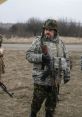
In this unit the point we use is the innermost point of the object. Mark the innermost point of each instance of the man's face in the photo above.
(49, 33)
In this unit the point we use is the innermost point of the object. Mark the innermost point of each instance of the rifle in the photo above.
(50, 68)
(5, 89)
(48, 65)
(58, 75)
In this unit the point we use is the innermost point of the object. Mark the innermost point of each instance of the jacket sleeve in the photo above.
(32, 55)
(2, 65)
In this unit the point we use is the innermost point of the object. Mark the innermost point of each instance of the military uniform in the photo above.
(1, 58)
(45, 89)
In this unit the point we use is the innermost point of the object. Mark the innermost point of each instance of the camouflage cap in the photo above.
(50, 24)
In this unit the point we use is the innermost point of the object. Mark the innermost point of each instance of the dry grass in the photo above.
(18, 79)
(67, 40)
(18, 40)
(71, 40)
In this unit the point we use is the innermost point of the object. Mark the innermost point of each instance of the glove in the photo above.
(66, 79)
(45, 75)
(46, 58)
(46, 62)
(66, 76)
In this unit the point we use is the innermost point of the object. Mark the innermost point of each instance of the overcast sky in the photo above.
(22, 10)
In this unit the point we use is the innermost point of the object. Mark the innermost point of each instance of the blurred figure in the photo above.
(1, 58)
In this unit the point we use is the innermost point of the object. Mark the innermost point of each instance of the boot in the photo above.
(32, 114)
(49, 113)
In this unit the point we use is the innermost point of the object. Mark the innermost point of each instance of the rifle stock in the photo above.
(5, 89)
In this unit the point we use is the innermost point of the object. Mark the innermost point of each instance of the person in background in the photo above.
(2, 65)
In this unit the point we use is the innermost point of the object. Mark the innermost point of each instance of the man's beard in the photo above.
(47, 36)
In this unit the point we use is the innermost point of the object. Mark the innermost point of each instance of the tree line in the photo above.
(33, 27)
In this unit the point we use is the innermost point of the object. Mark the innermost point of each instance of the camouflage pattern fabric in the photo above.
(56, 49)
(40, 94)
(2, 66)
(1, 38)
(50, 24)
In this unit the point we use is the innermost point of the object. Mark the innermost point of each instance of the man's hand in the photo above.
(46, 62)
(46, 58)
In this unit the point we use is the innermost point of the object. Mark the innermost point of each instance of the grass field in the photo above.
(67, 40)
(18, 79)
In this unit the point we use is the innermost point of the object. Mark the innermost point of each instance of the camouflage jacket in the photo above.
(2, 65)
(56, 49)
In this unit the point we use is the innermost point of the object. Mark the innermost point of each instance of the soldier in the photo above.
(1, 58)
(2, 70)
(45, 53)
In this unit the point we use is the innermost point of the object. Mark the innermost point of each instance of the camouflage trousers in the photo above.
(42, 93)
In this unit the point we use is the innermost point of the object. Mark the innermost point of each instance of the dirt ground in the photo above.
(18, 79)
